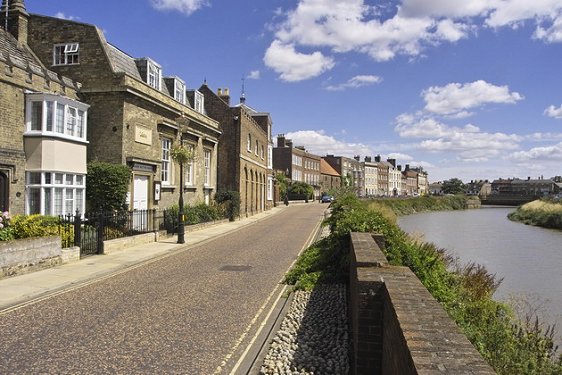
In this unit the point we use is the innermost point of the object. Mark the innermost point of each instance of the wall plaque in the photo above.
(143, 135)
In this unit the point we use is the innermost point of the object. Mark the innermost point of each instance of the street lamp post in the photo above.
(181, 222)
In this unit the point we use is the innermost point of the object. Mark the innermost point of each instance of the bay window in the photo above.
(54, 193)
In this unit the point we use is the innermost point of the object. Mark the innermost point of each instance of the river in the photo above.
(529, 259)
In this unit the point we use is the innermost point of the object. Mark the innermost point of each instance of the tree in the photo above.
(283, 183)
(107, 186)
(452, 186)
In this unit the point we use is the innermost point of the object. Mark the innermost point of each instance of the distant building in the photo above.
(297, 163)
(371, 177)
(350, 170)
(330, 178)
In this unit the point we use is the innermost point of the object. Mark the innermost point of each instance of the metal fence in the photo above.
(90, 230)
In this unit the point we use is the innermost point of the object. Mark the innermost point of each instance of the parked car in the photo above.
(326, 198)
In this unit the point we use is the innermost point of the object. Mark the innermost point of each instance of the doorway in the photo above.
(140, 202)
(4, 193)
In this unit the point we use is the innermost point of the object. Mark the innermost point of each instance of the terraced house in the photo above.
(245, 150)
(43, 127)
(137, 114)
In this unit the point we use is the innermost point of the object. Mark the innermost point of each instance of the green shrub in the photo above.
(25, 226)
(107, 186)
(509, 345)
(230, 201)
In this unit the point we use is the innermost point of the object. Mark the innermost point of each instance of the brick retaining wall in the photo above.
(397, 326)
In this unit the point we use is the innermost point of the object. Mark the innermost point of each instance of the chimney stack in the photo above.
(378, 158)
(392, 161)
(16, 24)
(224, 94)
(281, 140)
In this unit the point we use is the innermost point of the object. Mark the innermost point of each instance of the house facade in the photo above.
(43, 128)
(244, 151)
(137, 114)
(350, 170)
(297, 163)
(330, 179)
(371, 177)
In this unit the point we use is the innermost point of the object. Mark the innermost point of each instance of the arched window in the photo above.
(249, 142)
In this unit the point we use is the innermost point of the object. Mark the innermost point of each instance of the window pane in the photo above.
(36, 115)
(70, 120)
(79, 199)
(59, 119)
(80, 124)
(49, 120)
(79, 180)
(34, 202)
(34, 178)
(58, 178)
(69, 201)
(47, 208)
(48, 178)
(166, 160)
(70, 179)
(58, 201)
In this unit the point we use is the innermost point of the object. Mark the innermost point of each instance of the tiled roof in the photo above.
(326, 168)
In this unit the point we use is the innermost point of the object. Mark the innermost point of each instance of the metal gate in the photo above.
(86, 233)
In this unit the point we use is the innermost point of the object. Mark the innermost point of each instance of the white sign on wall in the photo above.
(143, 135)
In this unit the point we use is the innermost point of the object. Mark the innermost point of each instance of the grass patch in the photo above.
(541, 213)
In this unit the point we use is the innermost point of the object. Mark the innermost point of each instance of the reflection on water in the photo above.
(527, 258)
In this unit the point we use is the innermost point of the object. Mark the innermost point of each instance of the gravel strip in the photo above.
(313, 337)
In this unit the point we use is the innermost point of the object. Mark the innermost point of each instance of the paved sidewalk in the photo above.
(18, 290)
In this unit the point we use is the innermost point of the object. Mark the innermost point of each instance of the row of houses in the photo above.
(68, 96)
(370, 177)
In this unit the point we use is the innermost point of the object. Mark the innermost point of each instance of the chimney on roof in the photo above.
(399, 168)
(357, 157)
(368, 159)
(224, 94)
(407, 167)
(378, 158)
(281, 140)
(392, 161)
(14, 19)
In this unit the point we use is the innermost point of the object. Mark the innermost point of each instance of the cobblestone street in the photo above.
(184, 313)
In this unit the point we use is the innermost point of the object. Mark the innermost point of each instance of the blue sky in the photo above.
(469, 89)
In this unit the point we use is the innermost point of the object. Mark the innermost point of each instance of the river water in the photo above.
(529, 259)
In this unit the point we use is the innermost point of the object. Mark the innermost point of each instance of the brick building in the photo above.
(42, 128)
(244, 151)
(350, 170)
(136, 113)
(383, 173)
(330, 179)
(297, 163)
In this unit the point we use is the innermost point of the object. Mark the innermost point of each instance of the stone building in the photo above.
(383, 173)
(350, 170)
(136, 113)
(371, 177)
(297, 163)
(394, 178)
(244, 151)
(42, 128)
(330, 179)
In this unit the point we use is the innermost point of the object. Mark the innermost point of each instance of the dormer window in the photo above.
(199, 102)
(154, 74)
(179, 91)
(66, 54)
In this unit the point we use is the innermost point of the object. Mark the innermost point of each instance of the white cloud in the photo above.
(553, 153)
(184, 6)
(356, 82)
(318, 143)
(455, 98)
(385, 31)
(554, 112)
(254, 74)
(295, 66)
(399, 156)
(469, 142)
(63, 16)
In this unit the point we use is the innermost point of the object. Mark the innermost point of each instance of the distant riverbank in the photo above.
(408, 206)
(546, 214)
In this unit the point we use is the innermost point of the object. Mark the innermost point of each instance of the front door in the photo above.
(140, 202)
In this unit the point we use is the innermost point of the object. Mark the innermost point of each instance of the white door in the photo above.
(140, 193)
(140, 202)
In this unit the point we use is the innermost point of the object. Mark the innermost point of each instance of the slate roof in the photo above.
(18, 54)
(122, 63)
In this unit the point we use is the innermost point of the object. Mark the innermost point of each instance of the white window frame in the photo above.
(179, 91)
(66, 54)
(70, 186)
(153, 74)
(166, 175)
(199, 102)
(189, 173)
(60, 117)
(207, 164)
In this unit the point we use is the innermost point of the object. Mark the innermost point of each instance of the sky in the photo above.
(469, 90)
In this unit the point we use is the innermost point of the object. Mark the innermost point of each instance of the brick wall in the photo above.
(397, 326)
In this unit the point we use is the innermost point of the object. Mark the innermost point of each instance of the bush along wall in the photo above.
(509, 345)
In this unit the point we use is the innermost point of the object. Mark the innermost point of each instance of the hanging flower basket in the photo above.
(182, 154)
